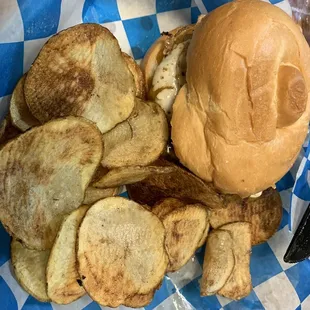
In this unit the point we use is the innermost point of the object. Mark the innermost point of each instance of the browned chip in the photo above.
(19, 111)
(139, 300)
(185, 227)
(137, 75)
(81, 72)
(121, 254)
(264, 213)
(29, 268)
(43, 176)
(178, 184)
(128, 175)
(239, 283)
(165, 206)
(61, 274)
(218, 262)
(139, 140)
(93, 194)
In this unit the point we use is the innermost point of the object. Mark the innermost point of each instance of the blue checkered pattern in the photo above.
(26, 25)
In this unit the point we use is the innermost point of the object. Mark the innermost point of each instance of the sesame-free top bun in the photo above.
(243, 115)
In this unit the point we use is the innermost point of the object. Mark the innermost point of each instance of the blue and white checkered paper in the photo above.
(25, 25)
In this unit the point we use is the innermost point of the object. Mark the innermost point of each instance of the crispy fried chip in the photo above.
(139, 300)
(29, 268)
(19, 111)
(61, 273)
(81, 72)
(128, 175)
(218, 262)
(43, 175)
(178, 184)
(93, 194)
(264, 213)
(137, 75)
(239, 283)
(165, 206)
(120, 251)
(139, 140)
(184, 228)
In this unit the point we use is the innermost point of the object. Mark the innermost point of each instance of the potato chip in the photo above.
(139, 300)
(61, 273)
(29, 268)
(264, 213)
(218, 262)
(43, 176)
(19, 111)
(165, 206)
(139, 140)
(184, 228)
(93, 194)
(137, 75)
(120, 251)
(81, 72)
(178, 184)
(239, 283)
(128, 175)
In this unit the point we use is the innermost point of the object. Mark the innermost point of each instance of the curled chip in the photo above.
(226, 266)
(121, 252)
(218, 262)
(264, 213)
(61, 273)
(29, 268)
(239, 283)
(185, 227)
(43, 176)
(19, 111)
(137, 75)
(177, 184)
(128, 175)
(81, 72)
(139, 140)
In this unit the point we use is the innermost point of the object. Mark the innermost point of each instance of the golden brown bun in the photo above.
(244, 113)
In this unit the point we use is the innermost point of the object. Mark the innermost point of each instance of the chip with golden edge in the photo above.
(139, 140)
(81, 72)
(139, 300)
(129, 175)
(19, 111)
(93, 194)
(43, 176)
(184, 228)
(264, 213)
(137, 75)
(218, 262)
(121, 251)
(239, 283)
(180, 184)
(29, 268)
(61, 273)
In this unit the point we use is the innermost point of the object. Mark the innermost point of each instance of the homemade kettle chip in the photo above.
(43, 176)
